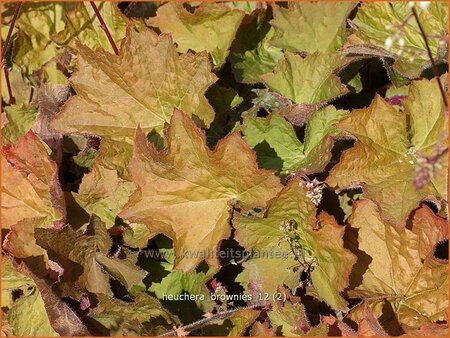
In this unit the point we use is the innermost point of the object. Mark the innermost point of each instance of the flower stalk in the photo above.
(104, 27)
(12, 99)
(430, 55)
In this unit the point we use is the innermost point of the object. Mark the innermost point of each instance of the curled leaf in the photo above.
(30, 184)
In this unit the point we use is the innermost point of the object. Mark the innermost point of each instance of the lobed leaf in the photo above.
(391, 31)
(310, 26)
(309, 81)
(80, 25)
(176, 185)
(384, 158)
(19, 120)
(36, 25)
(88, 257)
(144, 316)
(115, 94)
(274, 264)
(210, 27)
(103, 193)
(29, 305)
(286, 152)
(416, 288)
(30, 186)
(251, 54)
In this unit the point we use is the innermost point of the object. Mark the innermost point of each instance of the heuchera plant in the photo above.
(229, 168)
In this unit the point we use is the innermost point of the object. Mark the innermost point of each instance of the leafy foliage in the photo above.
(377, 26)
(323, 26)
(144, 94)
(187, 179)
(30, 187)
(212, 28)
(224, 169)
(251, 54)
(383, 156)
(402, 271)
(80, 25)
(310, 80)
(310, 156)
(321, 248)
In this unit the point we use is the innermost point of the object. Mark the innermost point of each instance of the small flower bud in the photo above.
(388, 43)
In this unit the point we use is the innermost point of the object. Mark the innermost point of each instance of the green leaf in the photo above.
(21, 89)
(346, 200)
(251, 55)
(290, 318)
(26, 315)
(115, 94)
(280, 136)
(20, 119)
(103, 193)
(246, 6)
(386, 162)
(51, 72)
(241, 320)
(311, 156)
(310, 27)
(381, 27)
(124, 270)
(308, 81)
(194, 283)
(85, 159)
(211, 27)
(223, 99)
(324, 246)
(233, 326)
(36, 24)
(319, 127)
(80, 23)
(136, 236)
(143, 317)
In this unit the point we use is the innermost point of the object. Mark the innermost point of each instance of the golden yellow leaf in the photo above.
(416, 288)
(115, 94)
(30, 184)
(187, 192)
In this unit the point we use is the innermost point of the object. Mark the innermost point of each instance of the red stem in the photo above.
(11, 28)
(430, 55)
(104, 27)
(12, 99)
